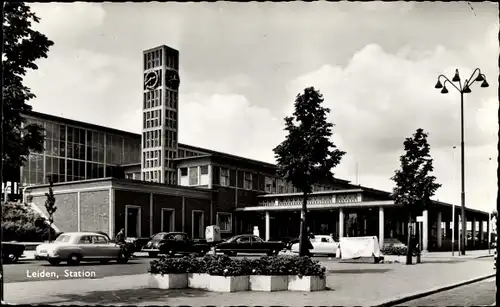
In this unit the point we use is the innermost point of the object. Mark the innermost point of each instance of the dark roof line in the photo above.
(135, 135)
(80, 123)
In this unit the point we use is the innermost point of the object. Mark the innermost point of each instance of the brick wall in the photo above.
(94, 211)
(123, 198)
(166, 201)
(224, 199)
(66, 216)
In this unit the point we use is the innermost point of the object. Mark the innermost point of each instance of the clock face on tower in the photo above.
(172, 79)
(151, 80)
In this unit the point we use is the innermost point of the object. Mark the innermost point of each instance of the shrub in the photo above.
(305, 266)
(396, 250)
(21, 223)
(274, 265)
(166, 265)
(222, 265)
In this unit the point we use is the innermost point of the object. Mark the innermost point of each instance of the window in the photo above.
(184, 171)
(281, 186)
(99, 240)
(224, 177)
(248, 181)
(243, 240)
(63, 238)
(204, 169)
(85, 240)
(269, 185)
(257, 239)
(193, 175)
(224, 221)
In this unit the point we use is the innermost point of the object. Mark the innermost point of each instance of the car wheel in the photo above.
(54, 261)
(74, 259)
(153, 254)
(13, 258)
(122, 258)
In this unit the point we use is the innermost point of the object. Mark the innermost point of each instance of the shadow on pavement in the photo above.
(129, 296)
(359, 271)
(449, 261)
(65, 265)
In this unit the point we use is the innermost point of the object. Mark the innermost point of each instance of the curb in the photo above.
(485, 256)
(415, 296)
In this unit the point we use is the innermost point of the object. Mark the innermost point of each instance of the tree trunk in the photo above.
(303, 246)
(50, 231)
(410, 243)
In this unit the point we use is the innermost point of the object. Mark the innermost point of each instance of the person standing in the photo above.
(120, 237)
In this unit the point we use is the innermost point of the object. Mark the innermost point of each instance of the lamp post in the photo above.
(453, 208)
(462, 89)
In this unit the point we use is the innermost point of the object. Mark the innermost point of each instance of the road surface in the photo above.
(33, 270)
(481, 293)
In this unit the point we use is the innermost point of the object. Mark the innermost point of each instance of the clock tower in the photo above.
(160, 113)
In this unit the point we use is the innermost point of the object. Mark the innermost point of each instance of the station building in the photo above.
(106, 179)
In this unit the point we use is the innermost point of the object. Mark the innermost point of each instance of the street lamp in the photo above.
(465, 89)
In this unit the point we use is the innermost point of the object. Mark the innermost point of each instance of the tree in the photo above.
(22, 47)
(50, 205)
(307, 155)
(21, 223)
(414, 186)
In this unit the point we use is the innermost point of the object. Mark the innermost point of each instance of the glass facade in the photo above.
(76, 153)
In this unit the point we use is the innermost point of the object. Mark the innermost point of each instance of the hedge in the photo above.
(222, 265)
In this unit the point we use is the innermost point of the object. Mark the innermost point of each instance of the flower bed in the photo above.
(399, 250)
(223, 274)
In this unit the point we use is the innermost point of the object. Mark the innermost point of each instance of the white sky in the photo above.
(242, 65)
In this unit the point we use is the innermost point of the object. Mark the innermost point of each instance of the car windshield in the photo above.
(233, 239)
(63, 238)
(159, 236)
(257, 239)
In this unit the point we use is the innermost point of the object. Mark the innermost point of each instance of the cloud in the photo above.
(79, 16)
(228, 123)
(239, 77)
(378, 99)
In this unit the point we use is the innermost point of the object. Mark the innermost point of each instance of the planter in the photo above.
(306, 283)
(229, 283)
(268, 283)
(168, 281)
(198, 281)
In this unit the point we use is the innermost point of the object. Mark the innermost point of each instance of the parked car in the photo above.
(74, 247)
(322, 244)
(12, 252)
(249, 244)
(130, 243)
(172, 243)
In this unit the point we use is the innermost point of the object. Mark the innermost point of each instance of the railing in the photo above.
(288, 201)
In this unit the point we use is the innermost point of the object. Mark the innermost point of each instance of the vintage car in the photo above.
(322, 245)
(172, 243)
(12, 252)
(74, 247)
(249, 244)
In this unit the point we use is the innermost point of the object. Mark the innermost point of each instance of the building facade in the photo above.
(107, 179)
